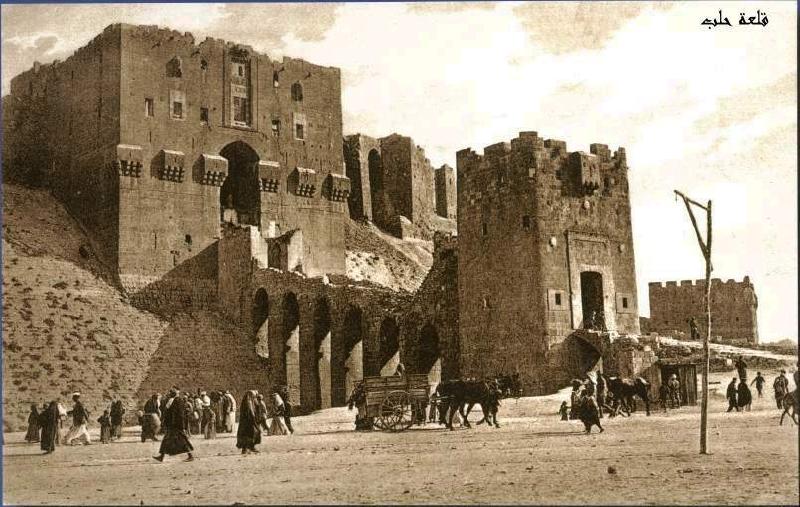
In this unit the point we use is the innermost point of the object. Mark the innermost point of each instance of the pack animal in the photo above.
(627, 389)
(456, 394)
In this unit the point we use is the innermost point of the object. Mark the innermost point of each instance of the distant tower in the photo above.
(445, 181)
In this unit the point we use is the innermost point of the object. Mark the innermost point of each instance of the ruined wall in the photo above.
(733, 308)
(61, 129)
(445, 182)
(553, 215)
(357, 148)
(391, 178)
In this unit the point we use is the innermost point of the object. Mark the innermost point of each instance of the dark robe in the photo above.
(249, 433)
(105, 428)
(176, 438)
(117, 413)
(33, 425)
(48, 420)
(745, 396)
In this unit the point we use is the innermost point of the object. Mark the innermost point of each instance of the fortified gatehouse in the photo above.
(545, 248)
(152, 141)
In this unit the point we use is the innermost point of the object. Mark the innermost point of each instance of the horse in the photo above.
(455, 394)
(790, 401)
(625, 390)
(506, 386)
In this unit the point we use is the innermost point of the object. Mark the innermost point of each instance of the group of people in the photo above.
(46, 427)
(587, 399)
(176, 415)
(669, 394)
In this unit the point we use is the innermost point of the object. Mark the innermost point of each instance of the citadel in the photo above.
(211, 176)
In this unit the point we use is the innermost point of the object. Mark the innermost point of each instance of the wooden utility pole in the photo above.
(705, 247)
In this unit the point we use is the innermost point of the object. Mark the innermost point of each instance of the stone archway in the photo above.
(389, 351)
(290, 342)
(261, 322)
(429, 356)
(240, 191)
(353, 349)
(321, 367)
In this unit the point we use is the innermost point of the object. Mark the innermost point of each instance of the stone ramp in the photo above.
(202, 350)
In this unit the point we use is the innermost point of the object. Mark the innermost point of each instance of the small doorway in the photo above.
(592, 300)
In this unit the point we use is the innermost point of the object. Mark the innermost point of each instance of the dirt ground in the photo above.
(532, 458)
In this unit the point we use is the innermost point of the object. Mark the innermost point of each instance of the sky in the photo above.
(709, 111)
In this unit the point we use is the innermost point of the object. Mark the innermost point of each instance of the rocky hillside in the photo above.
(373, 255)
(66, 329)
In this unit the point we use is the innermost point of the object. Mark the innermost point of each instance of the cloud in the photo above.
(564, 27)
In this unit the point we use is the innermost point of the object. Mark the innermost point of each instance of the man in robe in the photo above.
(48, 420)
(732, 395)
(230, 415)
(248, 436)
(176, 438)
(80, 418)
(117, 413)
(781, 387)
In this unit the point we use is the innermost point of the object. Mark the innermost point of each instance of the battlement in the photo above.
(528, 144)
(673, 284)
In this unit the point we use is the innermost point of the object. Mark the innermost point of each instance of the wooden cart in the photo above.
(397, 402)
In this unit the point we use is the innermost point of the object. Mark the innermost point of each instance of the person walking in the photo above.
(759, 381)
(176, 438)
(209, 422)
(745, 397)
(80, 419)
(230, 412)
(731, 395)
(105, 427)
(32, 434)
(287, 408)
(693, 331)
(48, 421)
(781, 387)
(117, 415)
(248, 435)
(741, 369)
(277, 410)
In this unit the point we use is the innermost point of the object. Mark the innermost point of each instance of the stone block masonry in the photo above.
(734, 307)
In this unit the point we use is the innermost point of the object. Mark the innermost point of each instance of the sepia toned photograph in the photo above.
(534, 253)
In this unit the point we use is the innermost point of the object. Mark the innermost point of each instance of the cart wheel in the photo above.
(395, 411)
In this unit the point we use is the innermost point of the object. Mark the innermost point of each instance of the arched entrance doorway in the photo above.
(592, 300)
(429, 357)
(389, 346)
(290, 340)
(261, 322)
(240, 190)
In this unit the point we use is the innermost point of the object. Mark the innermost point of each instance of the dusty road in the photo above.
(533, 458)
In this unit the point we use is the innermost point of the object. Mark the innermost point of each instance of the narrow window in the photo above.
(297, 92)
(204, 114)
(203, 64)
(241, 108)
(275, 81)
(558, 299)
(485, 303)
(276, 128)
(149, 108)
(177, 109)
(299, 131)
(624, 302)
(188, 239)
(485, 229)
(526, 222)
